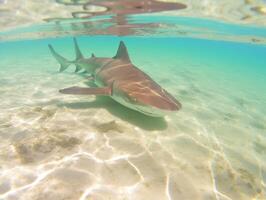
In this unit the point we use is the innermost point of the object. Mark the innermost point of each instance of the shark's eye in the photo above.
(131, 98)
(127, 98)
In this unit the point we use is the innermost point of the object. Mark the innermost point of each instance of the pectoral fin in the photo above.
(87, 91)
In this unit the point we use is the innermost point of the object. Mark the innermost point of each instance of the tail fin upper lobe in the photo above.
(77, 50)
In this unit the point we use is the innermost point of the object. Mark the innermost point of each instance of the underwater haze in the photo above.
(55, 146)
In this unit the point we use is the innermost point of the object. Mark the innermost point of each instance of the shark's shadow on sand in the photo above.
(122, 112)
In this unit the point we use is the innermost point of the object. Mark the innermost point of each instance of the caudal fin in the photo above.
(77, 50)
(79, 55)
(64, 63)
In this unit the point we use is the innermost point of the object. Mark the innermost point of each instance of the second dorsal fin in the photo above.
(122, 52)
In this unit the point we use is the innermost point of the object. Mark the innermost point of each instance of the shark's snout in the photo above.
(158, 107)
(165, 102)
(150, 103)
(171, 103)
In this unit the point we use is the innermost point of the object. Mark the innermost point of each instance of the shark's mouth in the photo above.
(151, 111)
(146, 110)
(151, 114)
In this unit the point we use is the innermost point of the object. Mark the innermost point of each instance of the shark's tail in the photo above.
(64, 63)
(79, 55)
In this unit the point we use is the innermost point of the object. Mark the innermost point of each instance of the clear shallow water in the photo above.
(215, 143)
(55, 146)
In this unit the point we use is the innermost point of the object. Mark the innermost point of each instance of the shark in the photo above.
(120, 79)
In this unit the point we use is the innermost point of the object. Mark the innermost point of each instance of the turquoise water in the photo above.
(77, 147)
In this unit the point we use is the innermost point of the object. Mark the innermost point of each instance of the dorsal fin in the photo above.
(122, 52)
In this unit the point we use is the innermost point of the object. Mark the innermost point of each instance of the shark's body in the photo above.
(118, 78)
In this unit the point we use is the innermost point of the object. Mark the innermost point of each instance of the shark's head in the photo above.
(148, 102)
